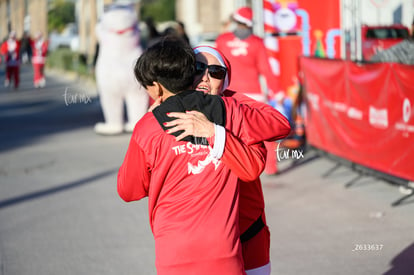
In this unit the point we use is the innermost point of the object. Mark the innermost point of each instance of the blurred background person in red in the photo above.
(249, 61)
(39, 51)
(25, 48)
(11, 50)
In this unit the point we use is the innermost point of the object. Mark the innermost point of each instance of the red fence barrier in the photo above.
(362, 112)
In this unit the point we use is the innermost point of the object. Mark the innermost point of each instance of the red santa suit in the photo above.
(11, 50)
(39, 52)
(193, 196)
(249, 59)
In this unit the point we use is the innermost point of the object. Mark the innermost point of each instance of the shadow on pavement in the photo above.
(28, 114)
(24, 123)
(403, 263)
(54, 190)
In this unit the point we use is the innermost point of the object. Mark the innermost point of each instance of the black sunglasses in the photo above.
(215, 71)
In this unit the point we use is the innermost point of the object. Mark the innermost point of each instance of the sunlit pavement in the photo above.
(60, 213)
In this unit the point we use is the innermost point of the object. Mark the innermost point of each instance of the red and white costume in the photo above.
(11, 50)
(249, 60)
(39, 52)
(193, 197)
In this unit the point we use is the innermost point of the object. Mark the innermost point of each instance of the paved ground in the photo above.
(60, 213)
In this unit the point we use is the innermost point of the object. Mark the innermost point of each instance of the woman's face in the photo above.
(204, 82)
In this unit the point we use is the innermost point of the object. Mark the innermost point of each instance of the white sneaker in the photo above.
(6, 83)
(42, 82)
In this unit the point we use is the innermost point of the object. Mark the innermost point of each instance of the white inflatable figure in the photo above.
(119, 48)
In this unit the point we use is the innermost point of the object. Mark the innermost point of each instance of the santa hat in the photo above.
(222, 60)
(244, 15)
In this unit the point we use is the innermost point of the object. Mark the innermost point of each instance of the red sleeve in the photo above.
(246, 129)
(133, 175)
(280, 123)
(4, 48)
(247, 162)
(257, 124)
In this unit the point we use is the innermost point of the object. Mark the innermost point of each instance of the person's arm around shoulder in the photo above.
(247, 162)
(256, 125)
(280, 122)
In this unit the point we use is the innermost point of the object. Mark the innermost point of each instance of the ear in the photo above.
(159, 88)
(161, 91)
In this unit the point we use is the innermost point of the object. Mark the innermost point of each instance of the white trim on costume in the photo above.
(219, 142)
(243, 20)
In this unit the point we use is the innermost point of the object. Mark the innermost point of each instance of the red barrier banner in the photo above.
(362, 112)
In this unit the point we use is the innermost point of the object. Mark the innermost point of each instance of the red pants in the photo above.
(256, 251)
(38, 73)
(13, 71)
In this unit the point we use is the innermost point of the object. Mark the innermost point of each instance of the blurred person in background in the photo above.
(150, 35)
(25, 48)
(11, 50)
(39, 51)
(255, 235)
(181, 32)
(176, 29)
(249, 59)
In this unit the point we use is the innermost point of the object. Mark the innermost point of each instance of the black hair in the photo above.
(170, 62)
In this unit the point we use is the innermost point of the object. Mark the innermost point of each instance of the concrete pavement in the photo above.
(60, 213)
